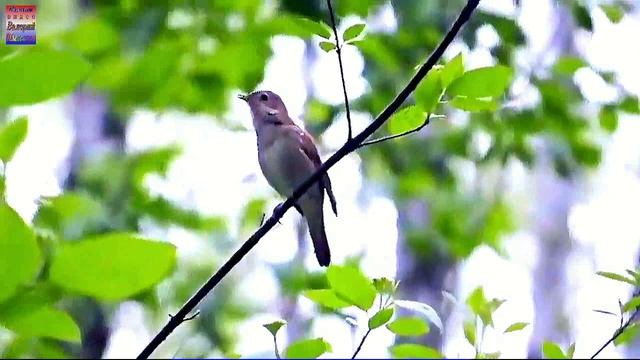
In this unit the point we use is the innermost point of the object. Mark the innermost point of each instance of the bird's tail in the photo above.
(315, 220)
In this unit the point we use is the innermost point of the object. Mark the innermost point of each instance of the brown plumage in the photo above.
(288, 155)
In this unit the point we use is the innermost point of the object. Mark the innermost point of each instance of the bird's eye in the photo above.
(264, 97)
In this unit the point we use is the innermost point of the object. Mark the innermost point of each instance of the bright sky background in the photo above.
(218, 171)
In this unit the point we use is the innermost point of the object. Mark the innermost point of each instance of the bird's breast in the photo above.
(272, 159)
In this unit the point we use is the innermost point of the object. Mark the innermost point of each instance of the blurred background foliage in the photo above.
(66, 271)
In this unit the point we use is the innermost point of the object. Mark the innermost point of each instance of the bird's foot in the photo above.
(276, 209)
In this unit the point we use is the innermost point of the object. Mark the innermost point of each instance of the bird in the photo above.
(288, 155)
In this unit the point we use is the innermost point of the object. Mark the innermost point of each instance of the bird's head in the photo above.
(266, 108)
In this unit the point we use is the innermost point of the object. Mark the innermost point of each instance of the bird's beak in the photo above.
(243, 97)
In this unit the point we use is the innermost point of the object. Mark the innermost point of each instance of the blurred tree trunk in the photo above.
(422, 279)
(554, 199)
(555, 196)
(95, 132)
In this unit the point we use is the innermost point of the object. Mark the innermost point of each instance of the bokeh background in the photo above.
(528, 201)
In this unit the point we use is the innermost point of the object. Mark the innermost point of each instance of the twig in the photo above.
(275, 346)
(339, 52)
(361, 343)
(188, 318)
(346, 149)
(617, 333)
(394, 136)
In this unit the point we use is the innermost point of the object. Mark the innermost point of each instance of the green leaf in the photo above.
(273, 327)
(516, 327)
(109, 73)
(39, 74)
(474, 104)
(11, 136)
(616, 277)
(92, 35)
(482, 307)
(483, 82)
(50, 350)
(20, 258)
(252, 213)
(627, 335)
(582, 16)
(608, 118)
(508, 30)
(571, 351)
(327, 298)
(586, 152)
(423, 309)
(352, 32)
(568, 65)
(452, 71)
(70, 214)
(634, 274)
(414, 351)
(408, 326)
(384, 286)
(327, 46)
(307, 349)
(380, 318)
(152, 161)
(406, 119)
(30, 314)
(313, 27)
(429, 91)
(630, 105)
(113, 266)
(632, 304)
(613, 11)
(43, 321)
(551, 350)
(470, 331)
(351, 285)
(491, 355)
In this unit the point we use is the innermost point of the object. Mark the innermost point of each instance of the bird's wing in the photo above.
(309, 148)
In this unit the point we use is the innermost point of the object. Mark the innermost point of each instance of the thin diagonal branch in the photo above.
(361, 343)
(344, 84)
(618, 332)
(395, 136)
(346, 149)
(188, 318)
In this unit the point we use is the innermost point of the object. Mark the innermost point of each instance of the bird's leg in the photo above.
(280, 205)
(276, 209)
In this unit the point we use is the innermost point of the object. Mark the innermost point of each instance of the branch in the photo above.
(348, 147)
(361, 343)
(404, 133)
(339, 52)
(617, 333)
(188, 318)
(275, 346)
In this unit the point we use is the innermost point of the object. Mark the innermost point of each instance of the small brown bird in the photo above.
(288, 156)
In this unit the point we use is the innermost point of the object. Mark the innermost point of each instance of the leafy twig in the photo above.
(347, 148)
(623, 326)
(344, 84)
(394, 136)
(361, 343)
